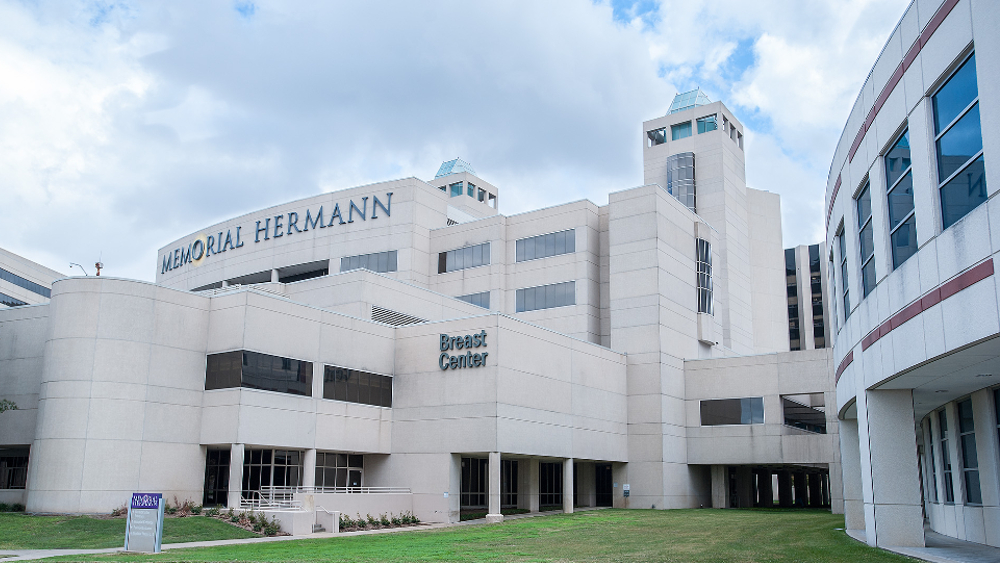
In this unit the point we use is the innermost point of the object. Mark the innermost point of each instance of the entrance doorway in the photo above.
(604, 485)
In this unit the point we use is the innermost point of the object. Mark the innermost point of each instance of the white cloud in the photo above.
(128, 125)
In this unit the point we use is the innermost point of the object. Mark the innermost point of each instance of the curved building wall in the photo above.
(914, 291)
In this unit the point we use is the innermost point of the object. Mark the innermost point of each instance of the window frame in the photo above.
(947, 471)
(869, 223)
(963, 454)
(907, 172)
(942, 182)
(845, 293)
(704, 282)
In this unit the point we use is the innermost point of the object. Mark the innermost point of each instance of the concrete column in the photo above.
(720, 498)
(568, 486)
(765, 494)
(850, 465)
(309, 468)
(801, 489)
(317, 383)
(619, 476)
(274, 276)
(534, 484)
(494, 515)
(815, 489)
(890, 478)
(784, 489)
(225, 283)
(235, 475)
(587, 486)
(986, 446)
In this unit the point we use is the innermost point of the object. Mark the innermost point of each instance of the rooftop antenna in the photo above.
(71, 264)
(99, 264)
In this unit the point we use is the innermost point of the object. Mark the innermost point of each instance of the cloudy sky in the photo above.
(124, 125)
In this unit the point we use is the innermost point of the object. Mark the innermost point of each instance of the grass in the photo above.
(23, 531)
(696, 536)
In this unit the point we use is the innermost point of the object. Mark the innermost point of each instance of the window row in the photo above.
(469, 189)
(381, 262)
(938, 446)
(960, 177)
(464, 258)
(545, 296)
(10, 301)
(481, 299)
(26, 284)
(684, 129)
(254, 370)
(543, 246)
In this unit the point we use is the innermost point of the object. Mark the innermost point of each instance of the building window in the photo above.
(456, 189)
(381, 262)
(680, 130)
(26, 284)
(899, 187)
(464, 258)
(546, 296)
(748, 410)
(263, 469)
(680, 178)
(970, 459)
(10, 301)
(816, 288)
(481, 299)
(550, 485)
(949, 491)
(705, 277)
(14, 468)
(338, 470)
(792, 287)
(355, 386)
(508, 483)
(931, 461)
(803, 417)
(959, 144)
(475, 482)
(253, 370)
(739, 139)
(866, 240)
(831, 284)
(543, 246)
(492, 201)
(996, 407)
(707, 123)
(845, 291)
(656, 137)
(481, 195)
(216, 477)
(470, 189)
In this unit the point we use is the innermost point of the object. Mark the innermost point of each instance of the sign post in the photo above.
(144, 527)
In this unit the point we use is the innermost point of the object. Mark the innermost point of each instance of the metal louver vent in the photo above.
(452, 222)
(394, 318)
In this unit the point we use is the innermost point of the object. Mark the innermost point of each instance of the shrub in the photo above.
(196, 509)
(346, 522)
(212, 512)
(272, 528)
(371, 521)
(120, 511)
(4, 507)
(360, 522)
(397, 521)
(384, 520)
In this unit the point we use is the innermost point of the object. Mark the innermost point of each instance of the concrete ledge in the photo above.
(494, 518)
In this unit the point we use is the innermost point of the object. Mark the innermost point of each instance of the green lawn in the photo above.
(22, 531)
(743, 536)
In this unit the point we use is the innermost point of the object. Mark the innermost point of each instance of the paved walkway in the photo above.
(32, 554)
(942, 549)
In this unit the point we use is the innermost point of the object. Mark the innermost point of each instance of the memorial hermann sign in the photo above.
(285, 224)
(144, 529)
(467, 360)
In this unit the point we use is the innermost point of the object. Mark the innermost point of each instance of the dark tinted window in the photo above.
(10, 301)
(543, 246)
(355, 386)
(463, 258)
(748, 410)
(481, 299)
(258, 371)
(545, 296)
(26, 284)
(381, 262)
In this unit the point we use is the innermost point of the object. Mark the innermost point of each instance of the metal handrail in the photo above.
(278, 491)
(269, 499)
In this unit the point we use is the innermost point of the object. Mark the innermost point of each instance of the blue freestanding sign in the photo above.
(144, 528)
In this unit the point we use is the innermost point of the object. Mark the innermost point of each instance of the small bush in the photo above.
(397, 521)
(384, 520)
(360, 522)
(371, 521)
(212, 512)
(272, 528)
(4, 507)
(346, 522)
(196, 509)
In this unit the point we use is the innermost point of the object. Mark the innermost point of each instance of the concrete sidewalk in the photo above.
(942, 549)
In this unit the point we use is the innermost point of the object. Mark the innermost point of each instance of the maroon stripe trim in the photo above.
(966, 279)
(897, 75)
(843, 364)
(833, 199)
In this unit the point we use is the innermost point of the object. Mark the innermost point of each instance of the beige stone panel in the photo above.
(276, 427)
(107, 466)
(220, 424)
(181, 326)
(114, 419)
(69, 359)
(126, 317)
(63, 418)
(353, 434)
(176, 469)
(445, 434)
(164, 423)
(226, 327)
(121, 361)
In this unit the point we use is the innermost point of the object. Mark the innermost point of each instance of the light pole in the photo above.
(71, 264)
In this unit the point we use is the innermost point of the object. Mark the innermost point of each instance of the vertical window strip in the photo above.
(969, 457)
(949, 490)
(866, 240)
(705, 291)
(845, 287)
(899, 199)
(958, 144)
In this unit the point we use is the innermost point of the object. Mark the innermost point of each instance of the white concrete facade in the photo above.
(917, 357)
(590, 337)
